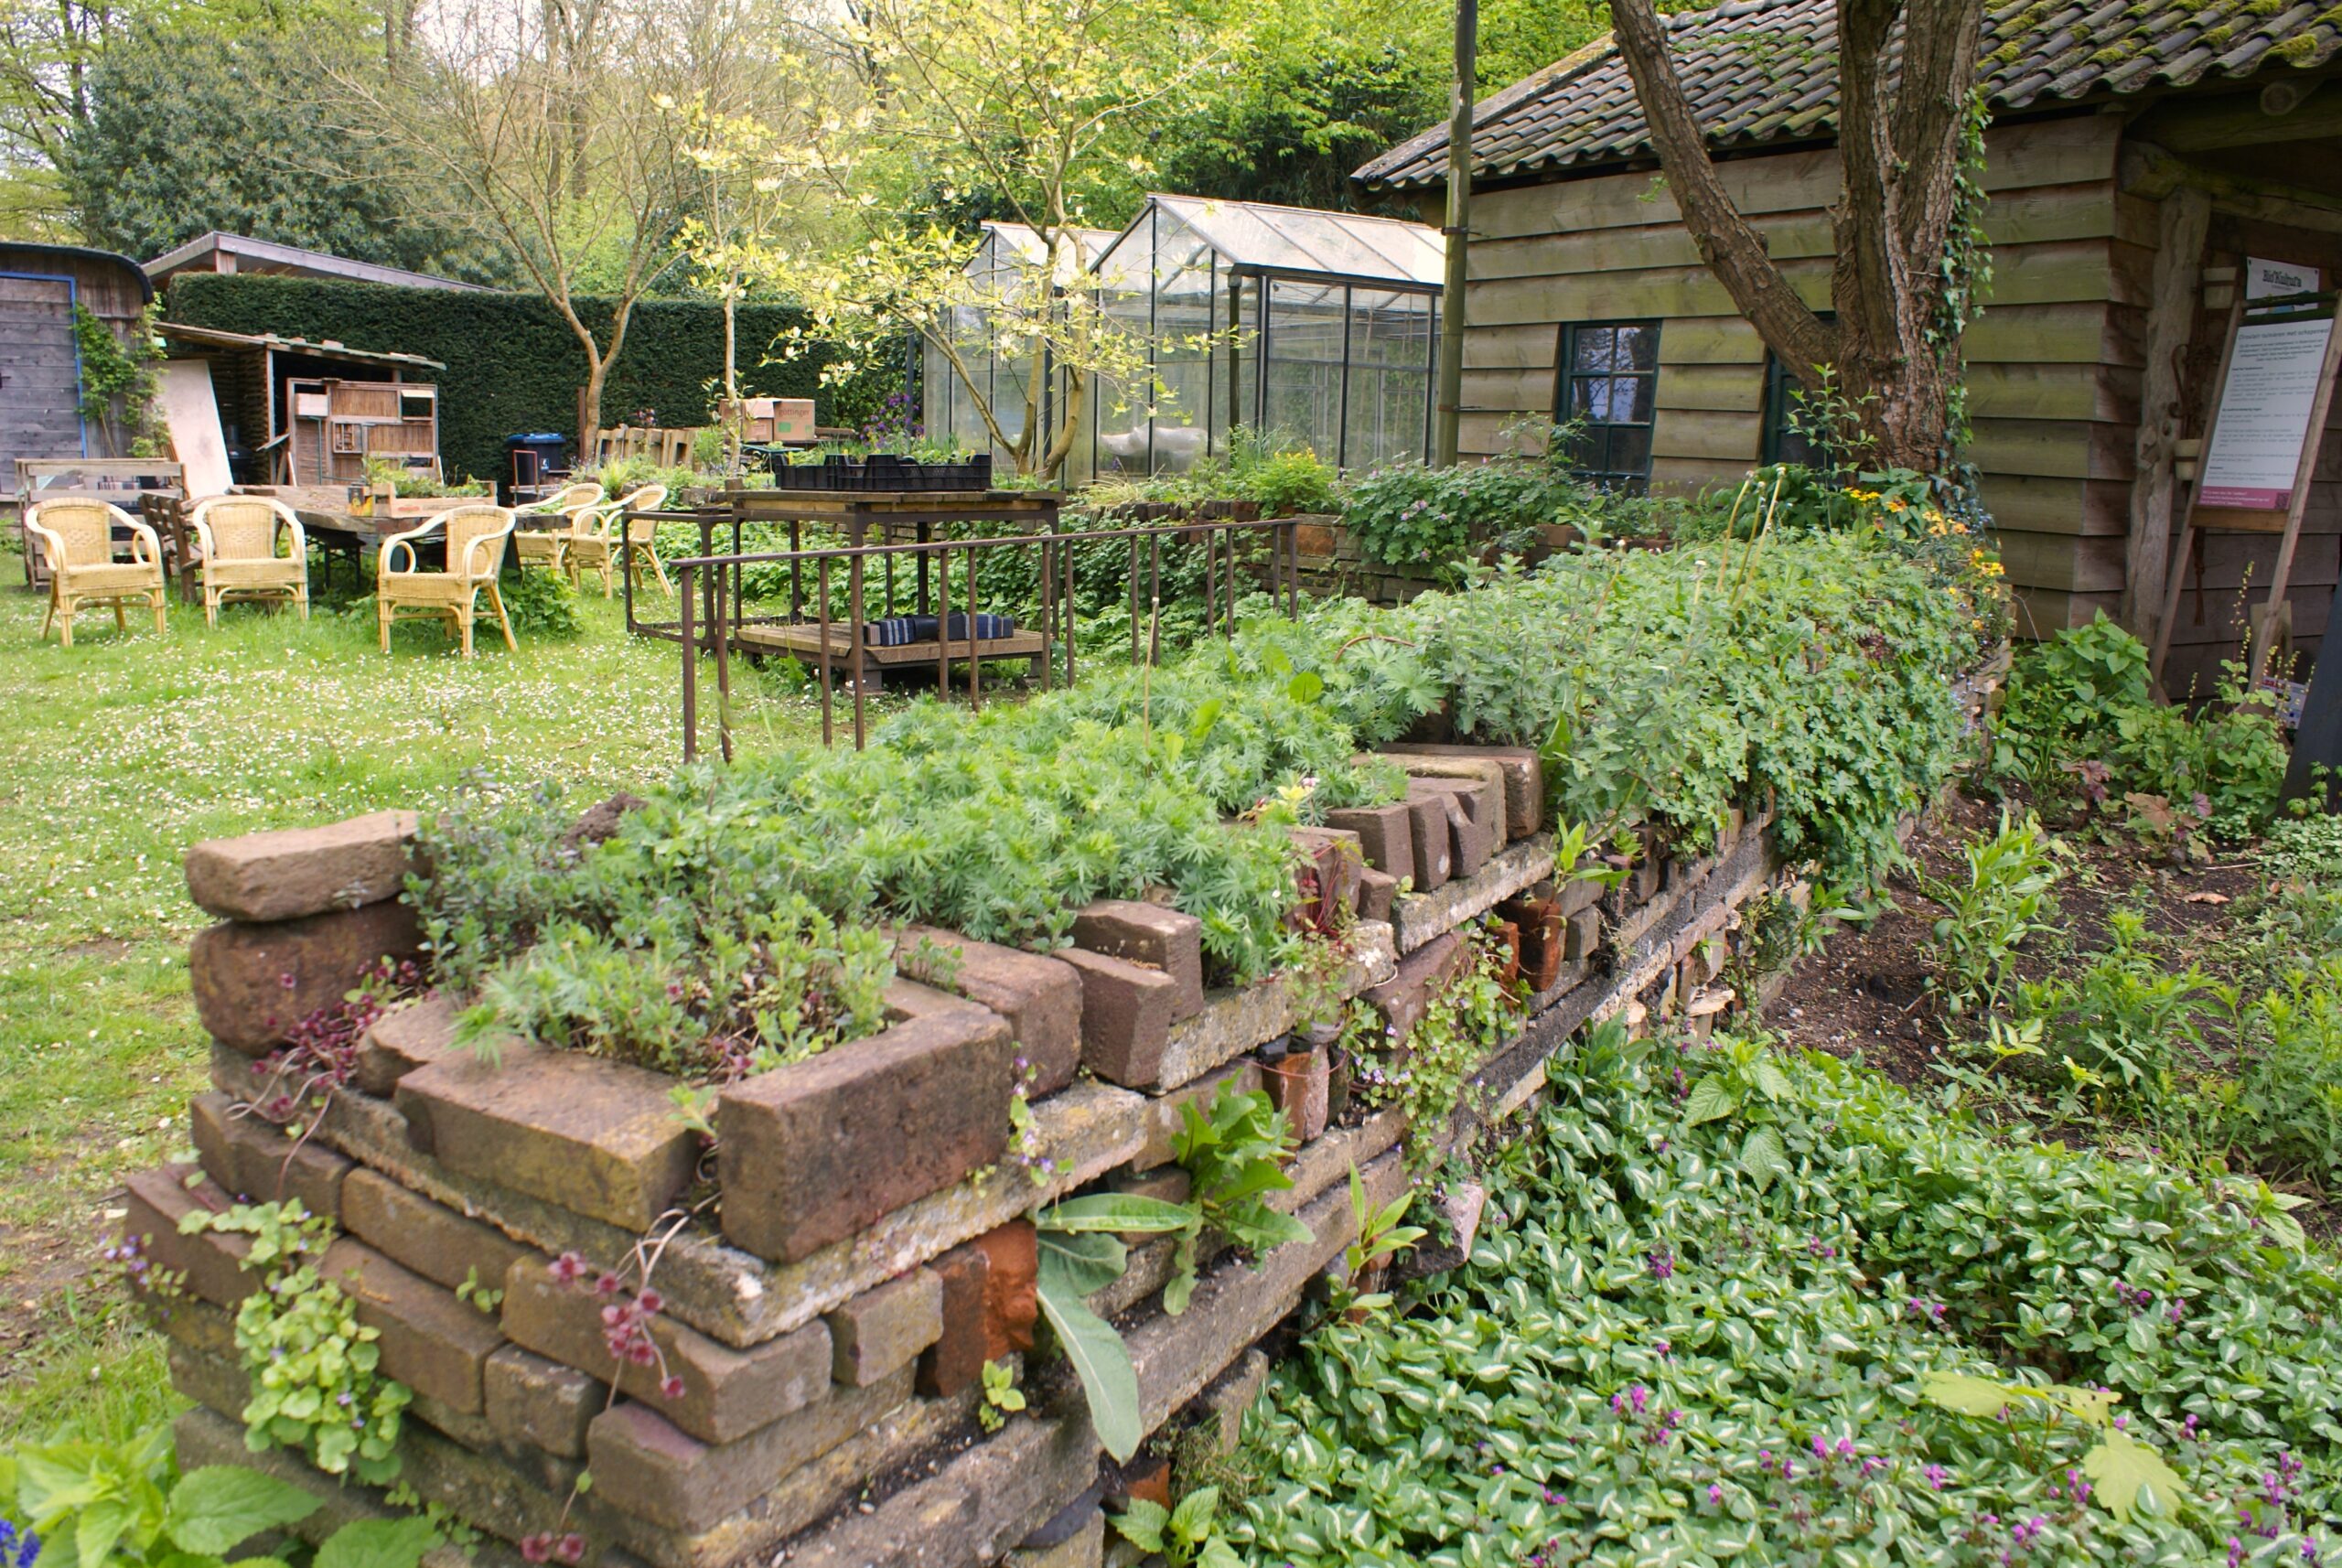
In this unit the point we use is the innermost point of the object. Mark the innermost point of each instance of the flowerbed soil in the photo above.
(1866, 995)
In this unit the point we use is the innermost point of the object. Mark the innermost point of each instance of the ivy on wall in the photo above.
(513, 365)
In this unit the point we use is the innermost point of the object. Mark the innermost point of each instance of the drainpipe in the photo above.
(1459, 215)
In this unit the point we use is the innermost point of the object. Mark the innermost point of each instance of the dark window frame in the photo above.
(1596, 458)
(1778, 442)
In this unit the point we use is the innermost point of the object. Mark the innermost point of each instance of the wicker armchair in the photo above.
(548, 547)
(593, 548)
(76, 541)
(476, 537)
(238, 536)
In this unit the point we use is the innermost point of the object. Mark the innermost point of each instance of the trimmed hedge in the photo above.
(513, 365)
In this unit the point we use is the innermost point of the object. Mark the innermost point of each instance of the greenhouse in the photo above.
(1006, 263)
(1317, 327)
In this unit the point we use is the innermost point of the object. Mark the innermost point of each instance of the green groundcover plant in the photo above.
(1662, 686)
(1826, 1325)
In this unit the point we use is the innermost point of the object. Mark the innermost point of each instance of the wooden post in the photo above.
(2171, 324)
(1449, 437)
(2159, 649)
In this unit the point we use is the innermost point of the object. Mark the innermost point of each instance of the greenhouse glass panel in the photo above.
(1302, 361)
(1183, 321)
(1392, 361)
(1126, 300)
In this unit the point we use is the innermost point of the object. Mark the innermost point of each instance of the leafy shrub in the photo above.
(543, 604)
(97, 1504)
(1988, 914)
(2285, 1102)
(1654, 1352)
(2121, 1020)
(2081, 705)
(1408, 514)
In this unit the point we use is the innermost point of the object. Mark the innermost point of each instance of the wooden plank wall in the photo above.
(2054, 364)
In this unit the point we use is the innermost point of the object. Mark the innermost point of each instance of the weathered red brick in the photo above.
(1012, 1287)
(1298, 1083)
(211, 1265)
(540, 1403)
(957, 1358)
(1150, 934)
(645, 1466)
(880, 1331)
(1431, 840)
(598, 1138)
(1126, 1015)
(1384, 834)
(1422, 976)
(1479, 828)
(284, 874)
(403, 1039)
(726, 1393)
(415, 1233)
(1524, 779)
(1040, 997)
(1375, 890)
(809, 1153)
(430, 1341)
(254, 982)
(265, 1163)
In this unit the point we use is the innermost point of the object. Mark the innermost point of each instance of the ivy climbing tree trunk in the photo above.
(1906, 224)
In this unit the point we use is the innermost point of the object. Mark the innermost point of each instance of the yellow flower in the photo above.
(1895, 503)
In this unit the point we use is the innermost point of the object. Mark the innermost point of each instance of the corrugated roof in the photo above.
(1300, 240)
(219, 338)
(269, 256)
(1759, 71)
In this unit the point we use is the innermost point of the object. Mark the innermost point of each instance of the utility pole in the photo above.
(1459, 219)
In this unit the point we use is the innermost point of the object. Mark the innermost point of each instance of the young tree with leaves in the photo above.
(1907, 213)
(566, 144)
(1025, 111)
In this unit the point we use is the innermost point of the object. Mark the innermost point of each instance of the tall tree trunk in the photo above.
(1900, 141)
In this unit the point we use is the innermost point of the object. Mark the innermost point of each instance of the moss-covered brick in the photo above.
(599, 1138)
(262, 1162)
(880, 1330)
(646, 1466)
(430, 1341)
(429, 1239)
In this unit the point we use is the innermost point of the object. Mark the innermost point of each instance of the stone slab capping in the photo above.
(293, 872)
(825, 1316)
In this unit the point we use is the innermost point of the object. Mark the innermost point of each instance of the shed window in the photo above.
(1784, 442)
(1610, 376)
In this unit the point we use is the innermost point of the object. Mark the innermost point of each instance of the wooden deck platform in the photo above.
(805, 642)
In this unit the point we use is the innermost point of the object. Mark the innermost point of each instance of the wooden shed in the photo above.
(2138, 156)
(40, 361)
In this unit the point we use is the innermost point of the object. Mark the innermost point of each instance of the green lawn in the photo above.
(118, 754)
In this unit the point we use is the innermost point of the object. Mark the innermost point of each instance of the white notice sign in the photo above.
(2264, 412)
(2265, 279)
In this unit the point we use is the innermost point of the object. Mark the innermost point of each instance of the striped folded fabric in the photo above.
(901, 631)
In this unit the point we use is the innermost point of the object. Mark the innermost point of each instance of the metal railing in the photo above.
(714, 620)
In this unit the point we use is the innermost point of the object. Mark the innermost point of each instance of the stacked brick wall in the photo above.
(820, 1333)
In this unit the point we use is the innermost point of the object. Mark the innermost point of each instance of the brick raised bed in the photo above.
(825, 1321)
